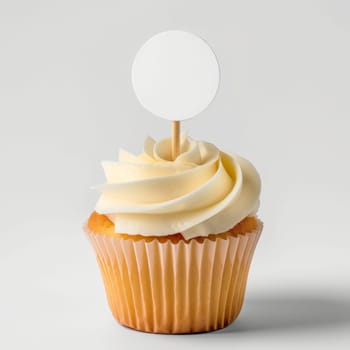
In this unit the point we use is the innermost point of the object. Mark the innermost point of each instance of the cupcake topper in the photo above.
(175, 75)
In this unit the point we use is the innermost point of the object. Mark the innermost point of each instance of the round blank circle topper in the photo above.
(175, 75)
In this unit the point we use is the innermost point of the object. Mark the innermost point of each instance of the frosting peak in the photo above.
(202, 191)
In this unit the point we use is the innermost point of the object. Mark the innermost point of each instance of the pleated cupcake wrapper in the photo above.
(168, 287)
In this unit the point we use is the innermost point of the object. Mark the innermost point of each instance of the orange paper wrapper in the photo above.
(175, 287)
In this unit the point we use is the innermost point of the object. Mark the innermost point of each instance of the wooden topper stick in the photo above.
(175, 141)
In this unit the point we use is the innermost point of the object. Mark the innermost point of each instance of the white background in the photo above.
(66, 103)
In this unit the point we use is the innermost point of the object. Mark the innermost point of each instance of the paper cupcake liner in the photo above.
(175, 287)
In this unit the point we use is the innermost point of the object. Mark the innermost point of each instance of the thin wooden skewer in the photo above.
(175, 144)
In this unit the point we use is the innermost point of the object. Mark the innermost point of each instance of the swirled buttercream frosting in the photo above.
(203, 191)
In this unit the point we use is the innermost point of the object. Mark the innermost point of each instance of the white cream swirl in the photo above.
(203, 191)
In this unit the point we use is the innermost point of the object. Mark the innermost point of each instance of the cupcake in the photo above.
(174, 239)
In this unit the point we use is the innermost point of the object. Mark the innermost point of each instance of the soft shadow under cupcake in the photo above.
(292, 311)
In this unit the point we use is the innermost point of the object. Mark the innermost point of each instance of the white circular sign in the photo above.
(175, 75)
